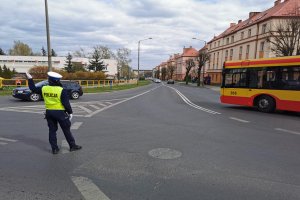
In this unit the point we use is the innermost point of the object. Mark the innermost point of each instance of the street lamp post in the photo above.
(48, 37)
(203, 65)
(139, 44)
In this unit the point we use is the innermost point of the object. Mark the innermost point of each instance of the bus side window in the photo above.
(255, 78)
(290, 78)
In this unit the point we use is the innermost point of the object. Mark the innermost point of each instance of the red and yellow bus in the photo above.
(268, 84)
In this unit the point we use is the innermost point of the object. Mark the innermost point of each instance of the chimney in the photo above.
(239, 21)
(232, 24)
(277, 2)
(252, 14)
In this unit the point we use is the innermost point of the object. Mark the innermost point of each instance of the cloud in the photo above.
(122, 23)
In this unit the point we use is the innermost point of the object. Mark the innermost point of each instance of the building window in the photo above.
(231, 54)
(264, 28)
(249, 33)
(261, 49)
(219, 43)
(227, 40)
(232, 39)
(242, 35)
(226, 55)
(241, 53)
(247, 51)
(218, 59)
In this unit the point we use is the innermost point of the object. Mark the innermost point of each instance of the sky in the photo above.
(76, 24)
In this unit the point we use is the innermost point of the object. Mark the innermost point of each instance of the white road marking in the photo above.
(3, 143)
(88, 189)
(117, 103)
(239, 120)
(85, 109)
(64, 147)
(287, 131)
(101, 104)
(7, 140)
(94, 106)
(76, 125)
(109, 103)
(187, 101)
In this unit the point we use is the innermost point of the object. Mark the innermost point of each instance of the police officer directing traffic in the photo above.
(58, 109)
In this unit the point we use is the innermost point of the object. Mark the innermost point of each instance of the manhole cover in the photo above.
(165, 153)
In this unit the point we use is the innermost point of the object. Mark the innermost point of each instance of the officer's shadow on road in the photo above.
(43, 145)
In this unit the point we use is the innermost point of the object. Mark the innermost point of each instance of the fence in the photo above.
(12, 83)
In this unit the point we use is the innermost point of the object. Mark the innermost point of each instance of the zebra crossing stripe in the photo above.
(94, 106)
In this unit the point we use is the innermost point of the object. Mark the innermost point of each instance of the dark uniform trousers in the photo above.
(53, 118)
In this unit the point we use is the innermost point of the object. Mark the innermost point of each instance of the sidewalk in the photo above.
(212, 87)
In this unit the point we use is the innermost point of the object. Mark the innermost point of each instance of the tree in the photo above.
(44, 52)
(53, 53)
(7, 73)
(20, 49)
(123, 59)
(96, 64)
(202, 58)
(170, 69)
(285, 37)
(1, 71)
(69, 67)
(104, 52)
(189, 65)
(2, 52)
(79, 53)
(157, 73)
(163, 73)
(126, 71)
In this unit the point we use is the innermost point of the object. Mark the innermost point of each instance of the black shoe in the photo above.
(55, 151)
(75, 147)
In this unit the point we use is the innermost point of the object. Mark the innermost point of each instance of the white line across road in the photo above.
(88, 189)
(187, 101)
(76, 125)
(287, 131)
(127, 99)
(239, 120)
(7, 140)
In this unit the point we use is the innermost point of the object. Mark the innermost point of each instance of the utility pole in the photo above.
(48, 37)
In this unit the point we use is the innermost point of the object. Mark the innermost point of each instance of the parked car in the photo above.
(170, 81)
(24, 93)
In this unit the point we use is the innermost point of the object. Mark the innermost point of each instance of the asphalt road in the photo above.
(155, 142)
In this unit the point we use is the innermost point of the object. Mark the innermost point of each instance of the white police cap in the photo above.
(54, 75)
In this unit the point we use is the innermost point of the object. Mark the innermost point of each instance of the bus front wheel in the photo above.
(266, 104)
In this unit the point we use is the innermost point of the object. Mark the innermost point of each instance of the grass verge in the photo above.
(114, 88)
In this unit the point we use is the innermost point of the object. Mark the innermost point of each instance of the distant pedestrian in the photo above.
(58, 109)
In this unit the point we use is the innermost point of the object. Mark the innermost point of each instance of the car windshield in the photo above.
(42, 83)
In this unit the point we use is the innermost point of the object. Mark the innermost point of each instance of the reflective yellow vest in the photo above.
(51, 95)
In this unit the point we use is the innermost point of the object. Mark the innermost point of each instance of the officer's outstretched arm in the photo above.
(32, 85)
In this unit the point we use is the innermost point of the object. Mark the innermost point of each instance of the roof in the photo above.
(278, 61)
(189, 52)
(288, 8)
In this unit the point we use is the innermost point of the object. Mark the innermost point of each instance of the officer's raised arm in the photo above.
(32, 85)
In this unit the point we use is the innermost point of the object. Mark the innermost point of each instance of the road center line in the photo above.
(88, 189)
(187, 101)
(3, 143)
(239, 120)
(287, 131)
(76, 125)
